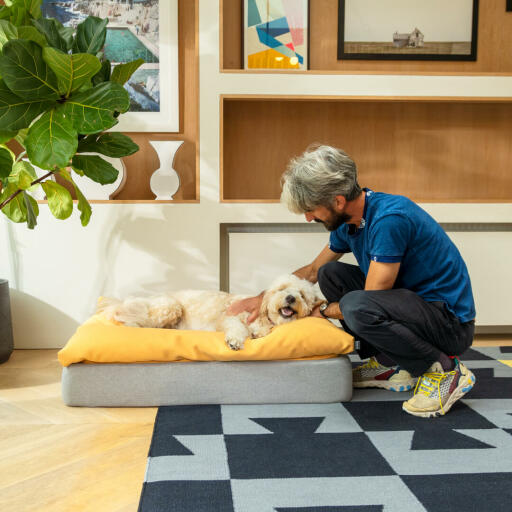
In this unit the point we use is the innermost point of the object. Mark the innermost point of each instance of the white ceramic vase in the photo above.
(165, 181)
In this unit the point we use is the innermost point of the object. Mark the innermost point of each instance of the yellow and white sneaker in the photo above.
(372, 374)
(437, 390)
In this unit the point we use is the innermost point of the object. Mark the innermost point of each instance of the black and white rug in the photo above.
(366, 455)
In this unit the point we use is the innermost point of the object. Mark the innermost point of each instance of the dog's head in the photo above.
(289, 298)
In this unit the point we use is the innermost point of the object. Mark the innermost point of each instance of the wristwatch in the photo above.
(322, 309)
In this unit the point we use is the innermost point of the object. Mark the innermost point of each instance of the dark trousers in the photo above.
(397, 322)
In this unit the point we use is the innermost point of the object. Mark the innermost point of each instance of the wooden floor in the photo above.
(71, 459)
(65, 459)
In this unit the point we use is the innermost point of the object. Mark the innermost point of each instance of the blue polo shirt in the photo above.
(395, 229)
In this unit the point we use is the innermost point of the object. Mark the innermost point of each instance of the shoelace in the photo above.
(371, 363)
(428, 382)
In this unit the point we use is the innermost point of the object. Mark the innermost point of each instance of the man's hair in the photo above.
(317, 177)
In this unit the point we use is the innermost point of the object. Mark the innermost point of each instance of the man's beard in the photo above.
(336, 220)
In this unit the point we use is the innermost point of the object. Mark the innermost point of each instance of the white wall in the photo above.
(439, 20)
(58, 270)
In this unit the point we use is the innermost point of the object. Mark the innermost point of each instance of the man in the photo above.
(408, 304)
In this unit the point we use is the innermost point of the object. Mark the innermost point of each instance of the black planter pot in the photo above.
(6, 340)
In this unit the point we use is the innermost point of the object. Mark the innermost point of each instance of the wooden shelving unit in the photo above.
(494, 44)
(431, 149)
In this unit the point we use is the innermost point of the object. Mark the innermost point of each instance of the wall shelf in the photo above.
(431, 149)
(494, 37)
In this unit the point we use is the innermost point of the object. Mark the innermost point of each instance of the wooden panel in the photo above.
(494, 43)
(142, 164)
(427, 150)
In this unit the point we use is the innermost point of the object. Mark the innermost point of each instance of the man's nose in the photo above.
(309, 216)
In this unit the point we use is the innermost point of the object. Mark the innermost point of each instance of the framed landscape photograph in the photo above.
(146, 29)
(408, 29)
(276, 34)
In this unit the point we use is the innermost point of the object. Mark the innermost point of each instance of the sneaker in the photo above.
(437, 390)
(372, 374)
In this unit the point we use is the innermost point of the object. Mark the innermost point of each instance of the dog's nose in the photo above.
(290, 299)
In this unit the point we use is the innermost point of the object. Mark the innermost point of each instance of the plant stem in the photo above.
(12, 196)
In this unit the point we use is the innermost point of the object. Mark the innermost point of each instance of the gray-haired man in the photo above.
(408, 303)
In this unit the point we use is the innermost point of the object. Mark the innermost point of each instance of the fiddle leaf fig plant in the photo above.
(58, 94)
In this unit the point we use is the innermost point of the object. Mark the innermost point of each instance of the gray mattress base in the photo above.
(233, 382)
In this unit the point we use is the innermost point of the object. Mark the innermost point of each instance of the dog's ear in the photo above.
(263, 313)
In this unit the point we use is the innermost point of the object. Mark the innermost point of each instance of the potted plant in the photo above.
(58, 94)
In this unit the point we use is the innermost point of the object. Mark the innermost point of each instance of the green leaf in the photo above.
(22, 175)
(67, 34)
(59, 199)
(72, 71)
(32, 34)
(115, 145)
(122, 72)
(103, 75)
(51, 141)
(90, 35)
(96, 168)
(24, 70)
(32, 210)
(17, 113)
(33, 7)
(6, 136)
(5, 13)
(7, 32)
(6, 161)
(15, 209)
(83, 205)
(93, 111)
(50, 28)
(19, 15)
(22, 135)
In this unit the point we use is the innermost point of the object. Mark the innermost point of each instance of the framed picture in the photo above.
(145, 29)
(407, 29)
(276, 34)
(509, 5)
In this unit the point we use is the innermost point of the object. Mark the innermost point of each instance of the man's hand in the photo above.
(251, 305)
(332, 311)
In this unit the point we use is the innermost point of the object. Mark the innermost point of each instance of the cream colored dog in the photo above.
(287, 299)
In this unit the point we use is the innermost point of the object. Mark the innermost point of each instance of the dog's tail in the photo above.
(108, 306)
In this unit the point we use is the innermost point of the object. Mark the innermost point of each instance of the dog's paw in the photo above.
(234, 343)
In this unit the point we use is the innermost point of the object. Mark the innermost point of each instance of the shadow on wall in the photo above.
(153, 250)
(31, 315)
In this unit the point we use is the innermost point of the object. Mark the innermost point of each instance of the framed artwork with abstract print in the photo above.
(408, 29)
(146, 29)
(276, 34)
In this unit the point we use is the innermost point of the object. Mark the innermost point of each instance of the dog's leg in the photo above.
(235, 332)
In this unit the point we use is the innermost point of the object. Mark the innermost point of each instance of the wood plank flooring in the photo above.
(65, 459)
(56, 458)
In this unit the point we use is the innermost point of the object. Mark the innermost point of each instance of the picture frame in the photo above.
(378, 30)
(509, 5)
(135, 30)
(275, 34)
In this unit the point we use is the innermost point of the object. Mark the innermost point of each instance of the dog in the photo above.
(287, 299)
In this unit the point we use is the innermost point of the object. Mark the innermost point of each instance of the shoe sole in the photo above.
(459, 392)
(390, 386)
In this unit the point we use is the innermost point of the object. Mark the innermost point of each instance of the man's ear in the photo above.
(340, 202)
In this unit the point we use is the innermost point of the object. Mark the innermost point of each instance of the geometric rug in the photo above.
(366, 455)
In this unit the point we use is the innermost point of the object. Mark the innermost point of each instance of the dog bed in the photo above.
(110, 365)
